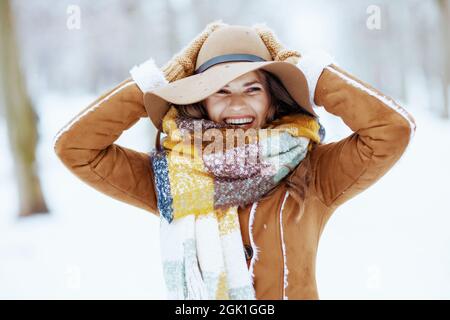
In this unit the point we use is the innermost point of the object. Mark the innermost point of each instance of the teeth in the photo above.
(239, 121)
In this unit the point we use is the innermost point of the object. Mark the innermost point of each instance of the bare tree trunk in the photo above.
(445, 10)
(20, 118)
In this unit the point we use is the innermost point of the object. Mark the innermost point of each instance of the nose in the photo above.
(237, 102)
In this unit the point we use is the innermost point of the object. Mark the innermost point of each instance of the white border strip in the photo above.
(95, 106)
(386, 100)
(252, 242)
(285, 271)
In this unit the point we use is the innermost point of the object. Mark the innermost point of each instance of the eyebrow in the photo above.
(247, 83)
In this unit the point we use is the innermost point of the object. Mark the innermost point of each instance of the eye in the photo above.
(222, 91)
(254, 89)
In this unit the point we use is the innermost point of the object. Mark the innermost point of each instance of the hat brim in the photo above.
(197, 87)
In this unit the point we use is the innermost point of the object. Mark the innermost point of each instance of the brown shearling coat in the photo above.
(288, 222)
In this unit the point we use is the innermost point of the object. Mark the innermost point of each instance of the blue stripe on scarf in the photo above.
(162, 183)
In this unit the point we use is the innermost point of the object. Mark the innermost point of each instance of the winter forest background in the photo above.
(61, 239)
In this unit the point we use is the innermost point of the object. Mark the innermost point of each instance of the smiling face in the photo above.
(243, 102)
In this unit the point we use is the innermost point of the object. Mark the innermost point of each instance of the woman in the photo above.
(234, 230)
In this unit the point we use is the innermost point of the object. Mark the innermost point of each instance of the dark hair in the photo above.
(280, 99)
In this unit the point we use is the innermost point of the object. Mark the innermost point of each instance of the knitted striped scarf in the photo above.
(201, 179)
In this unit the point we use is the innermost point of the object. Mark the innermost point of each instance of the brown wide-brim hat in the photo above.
(228, 53)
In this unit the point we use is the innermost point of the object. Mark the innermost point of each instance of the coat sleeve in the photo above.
(381, 129)
(86, 147)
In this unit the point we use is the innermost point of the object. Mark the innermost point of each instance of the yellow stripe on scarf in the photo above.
(299, 125)
(196, 196)
(190, 196)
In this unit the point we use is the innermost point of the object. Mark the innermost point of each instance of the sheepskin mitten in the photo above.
(182, 64)
(274, 45)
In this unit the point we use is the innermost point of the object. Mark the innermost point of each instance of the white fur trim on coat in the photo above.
(283, 246)
(312, 65)
(92, 108)
(148, 76)
(252, 242)
(385, 99)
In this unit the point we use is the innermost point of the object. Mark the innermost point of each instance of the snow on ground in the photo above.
(392, 240)
(90, 246)
(389, 242)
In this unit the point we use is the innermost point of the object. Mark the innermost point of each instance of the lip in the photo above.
(240, 117)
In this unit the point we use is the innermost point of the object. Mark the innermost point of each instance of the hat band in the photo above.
(228, 58)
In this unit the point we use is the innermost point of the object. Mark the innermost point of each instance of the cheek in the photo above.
(214, 109)
(261, 107)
